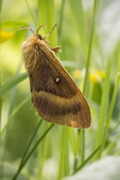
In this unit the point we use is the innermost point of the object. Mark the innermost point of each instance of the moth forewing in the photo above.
(55, 95)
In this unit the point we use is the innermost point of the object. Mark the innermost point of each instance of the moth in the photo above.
(55, 95)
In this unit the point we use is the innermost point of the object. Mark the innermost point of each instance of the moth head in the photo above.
(40, 37)
(30, 47)
(37, 34)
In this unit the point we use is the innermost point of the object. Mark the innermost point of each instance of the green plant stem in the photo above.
(14, 91)
(11, 83)
(88, 159)
(77, 145)
(30, 153)
(80, 23)
(13, 114)
(61, 154)
(30, 11)
(31, 140)
(109, 114)
(82, 145)
(103, 106)
(66, 167)
(60, 26)
(61, 20)
(47, 17)
(72, 140)
(27, 149)
(112, 144)
(89, 49)
(45, 150)
(87, 77)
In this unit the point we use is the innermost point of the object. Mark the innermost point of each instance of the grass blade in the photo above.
(110, 114)
(32, 150)
(79, 18)
(13, 114)
(61, 154)
(87, 77)
(29, 9)
(89, 49)
(31, 140)
(88, 159)
(104, 101)
(13, 82)
(41, 162)
(47, 17)
(61, 20)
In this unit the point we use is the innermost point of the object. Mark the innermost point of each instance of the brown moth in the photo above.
(55, 95)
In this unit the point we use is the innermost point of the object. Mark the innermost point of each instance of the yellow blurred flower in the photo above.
(101, 74)
(4, 36)
(95, 75)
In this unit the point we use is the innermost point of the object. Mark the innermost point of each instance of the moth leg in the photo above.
(56, 49)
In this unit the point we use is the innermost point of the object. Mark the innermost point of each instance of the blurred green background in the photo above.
(59, 154)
